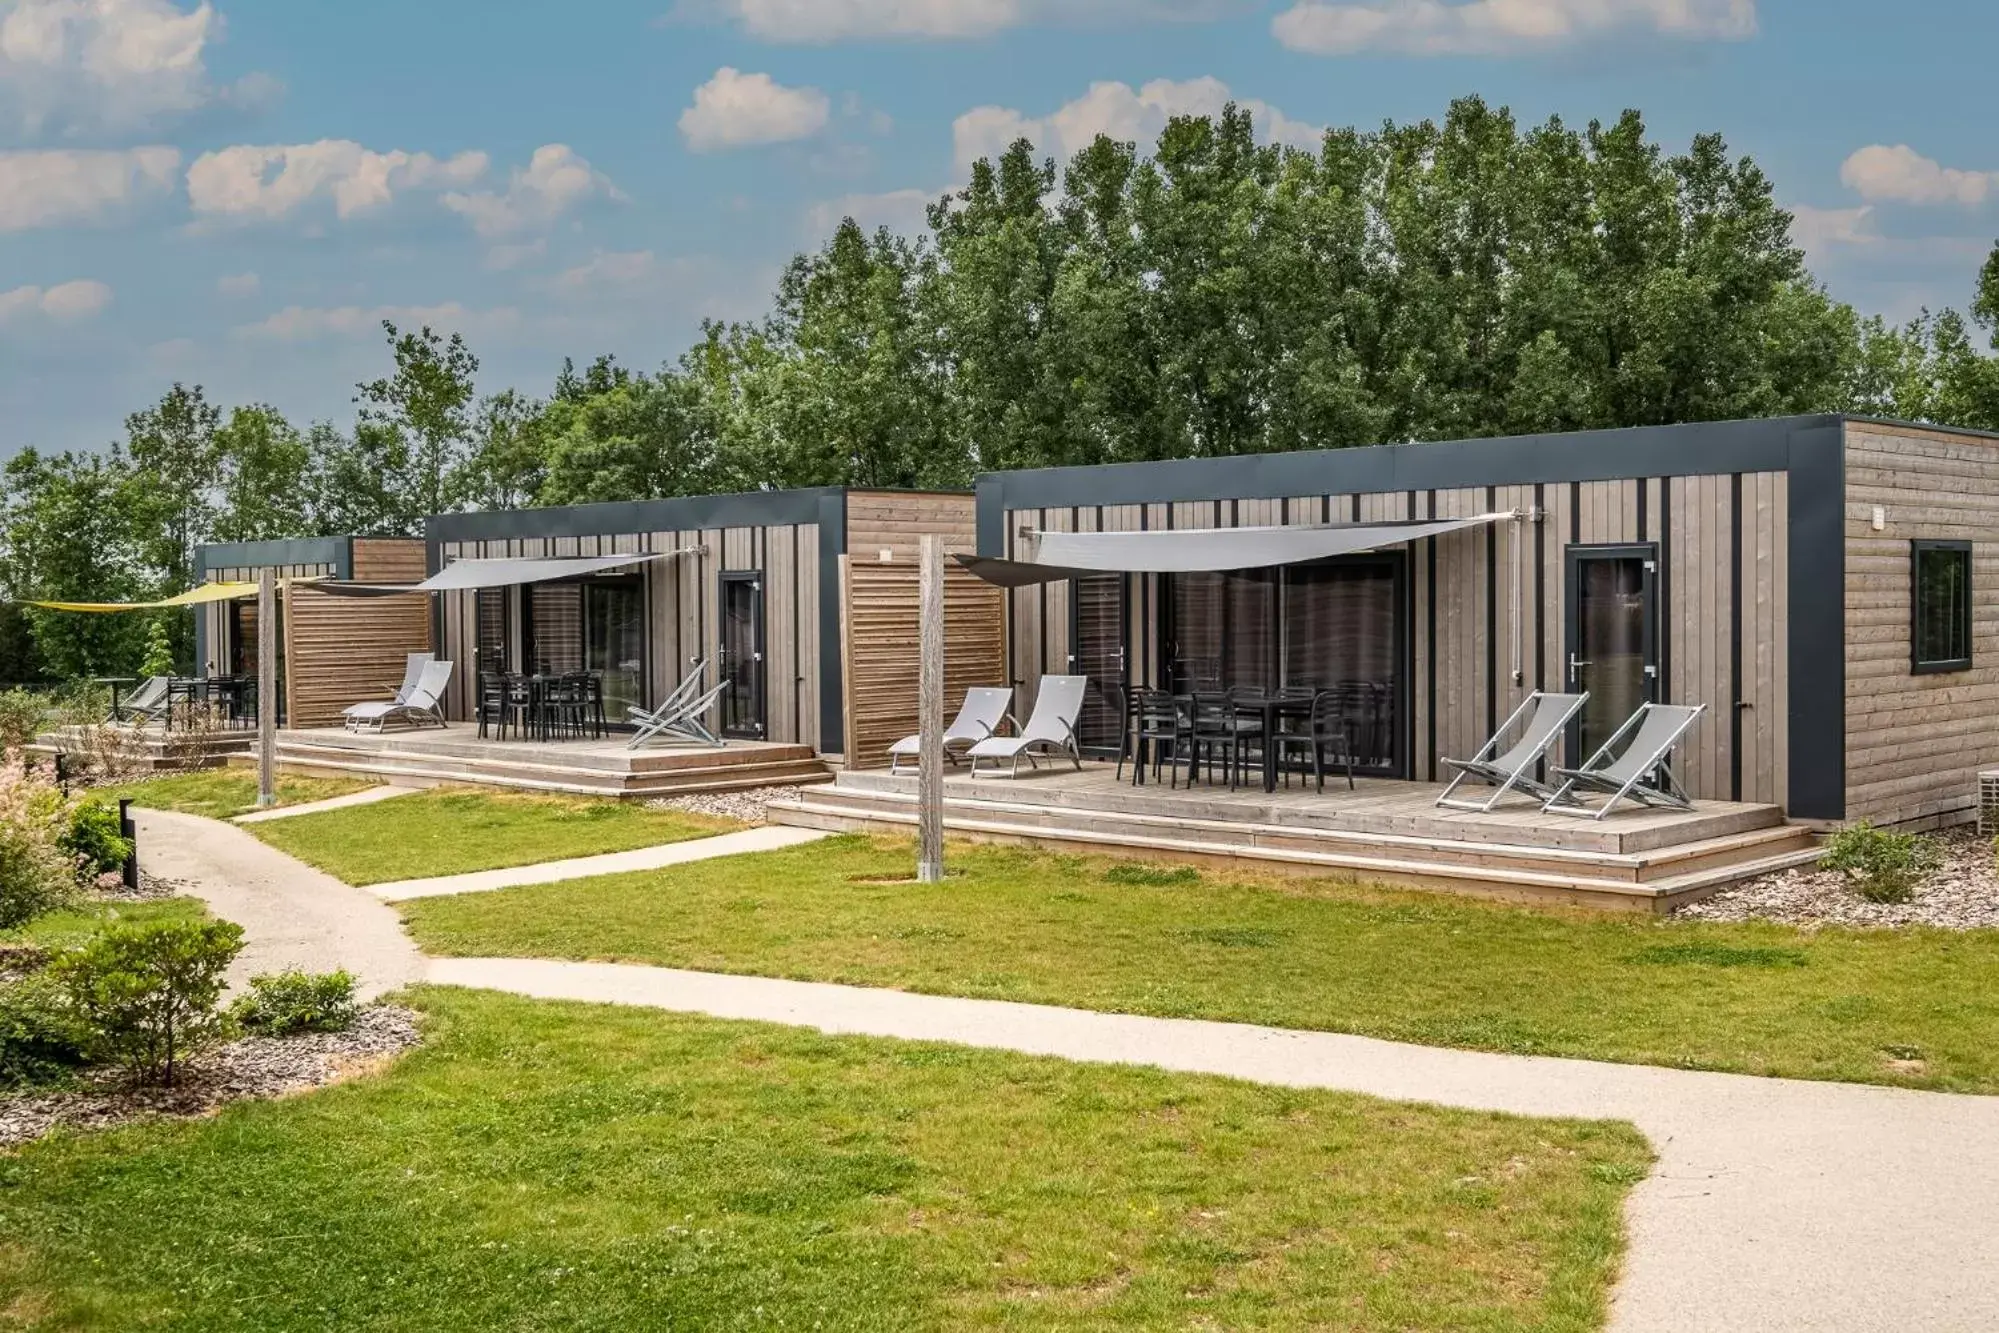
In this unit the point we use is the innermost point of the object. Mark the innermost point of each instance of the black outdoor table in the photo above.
(114, 682)
(1270, 708)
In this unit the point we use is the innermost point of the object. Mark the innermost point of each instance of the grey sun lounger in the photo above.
(423, 707)
(1630, 775)
(978, 718)
(1051, 728)
(146, 702)
(678, 718)
(412, 676)
(1545, 716)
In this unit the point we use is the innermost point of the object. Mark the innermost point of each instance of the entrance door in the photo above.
(1612, 638)
(1096, 635)
(614, 642)
(742, 664)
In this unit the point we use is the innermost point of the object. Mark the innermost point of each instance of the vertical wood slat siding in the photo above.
(1473, 650)
(881, 610)
(1915, 744)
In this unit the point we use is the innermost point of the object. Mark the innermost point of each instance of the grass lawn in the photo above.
(543, 1165)
(451, 832)
(74, 926)
(223, 793)
(1913, 1007)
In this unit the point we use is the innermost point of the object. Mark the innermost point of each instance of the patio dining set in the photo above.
(228, 701)
(545, 706)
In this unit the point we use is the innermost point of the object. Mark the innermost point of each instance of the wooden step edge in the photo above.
(1696, 885)
(529, 770)
(1360, 865)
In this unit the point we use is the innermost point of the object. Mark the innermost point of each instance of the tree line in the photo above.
(1448, 279)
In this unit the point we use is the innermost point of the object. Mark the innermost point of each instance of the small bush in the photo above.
(39, 1035)
(36, 874)
(146, 995)
(279, 1004)
(93, 837)
(159, 658)
(1884, 867)
(21, 717)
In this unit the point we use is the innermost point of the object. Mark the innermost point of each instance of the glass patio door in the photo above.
(742, 662)
(1096, 636)
(614, 641)
(1612, 638)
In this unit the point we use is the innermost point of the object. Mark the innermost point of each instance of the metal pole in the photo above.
(930, 716)
(267, 687)
(129, 831)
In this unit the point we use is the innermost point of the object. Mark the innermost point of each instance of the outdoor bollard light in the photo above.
(129, 872)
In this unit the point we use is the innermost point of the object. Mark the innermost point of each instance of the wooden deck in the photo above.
(457, 754)
(1383, 830)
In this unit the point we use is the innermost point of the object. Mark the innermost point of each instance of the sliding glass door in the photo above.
(1097, 642)
(595, 625)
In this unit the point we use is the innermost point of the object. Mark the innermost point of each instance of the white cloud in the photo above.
(1817, 230)
(836, 20)
(65, 302)
(309, 323)
(270, 182)
(45, 189)
(609, 270)
(1902, 175)
(899, 210)
(555, 180)
(1501, 27)
(736, 110)
(108, 65)
(238, 285)
(1121, 112)
(504, 258)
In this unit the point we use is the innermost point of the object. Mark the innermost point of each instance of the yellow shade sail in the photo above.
(201, 596)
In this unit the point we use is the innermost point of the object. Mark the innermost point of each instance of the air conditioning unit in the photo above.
(1988, 804)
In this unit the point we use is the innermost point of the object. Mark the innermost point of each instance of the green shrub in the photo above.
(146, 995)
(159, 658)
(36, 874)
(21, 717)
(93, 837)
(279, 1004)
(1884, 867)
(39, 1034)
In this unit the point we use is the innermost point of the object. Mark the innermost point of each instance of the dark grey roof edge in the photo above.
(743, 509)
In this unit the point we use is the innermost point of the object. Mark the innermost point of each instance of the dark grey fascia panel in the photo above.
(335, 551)
(750, 509)
(1816, 671)
(1699, 448)
(831, 516)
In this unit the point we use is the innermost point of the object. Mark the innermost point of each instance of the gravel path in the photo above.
(1962, 893)
(750, 806)
(247, 1067)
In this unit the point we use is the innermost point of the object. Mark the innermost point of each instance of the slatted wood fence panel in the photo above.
(879, 607)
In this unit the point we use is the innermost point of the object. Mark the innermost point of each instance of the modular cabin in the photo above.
(800, 604)
(1826, 586)
(332, 651)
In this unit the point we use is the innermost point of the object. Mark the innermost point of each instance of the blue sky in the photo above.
(234, 193)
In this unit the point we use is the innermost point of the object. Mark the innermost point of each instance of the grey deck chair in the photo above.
(146, 702)
(425, 704)
(412, 673)
(1051, 727)
(678, 717)
(1631, 774)
(1514, 769)
(978, 717)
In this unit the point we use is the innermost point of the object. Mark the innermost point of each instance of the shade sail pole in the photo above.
(930, 715)
(267, 688)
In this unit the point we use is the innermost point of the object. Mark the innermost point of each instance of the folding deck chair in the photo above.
(1515, 768)
(978, 717)
(678, 719)
(146, 702)
(425, 704)
(412, 674)
(1057, 705)
(1629, 775)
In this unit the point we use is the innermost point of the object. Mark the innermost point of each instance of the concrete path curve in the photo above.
(1776, 1205)
(367, 796)
(291, 914)
(767, 838)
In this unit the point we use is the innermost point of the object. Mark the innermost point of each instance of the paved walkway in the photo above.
(366, 797)
(1776, 1205)
(768, 838)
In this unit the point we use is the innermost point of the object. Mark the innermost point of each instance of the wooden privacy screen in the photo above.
(345, 650)
(879, 614)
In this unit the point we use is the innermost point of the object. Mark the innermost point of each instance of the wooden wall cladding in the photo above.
(879, 609)
(341, 651)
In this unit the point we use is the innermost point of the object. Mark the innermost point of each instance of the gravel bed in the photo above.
(244, 1068)
(150, 886)
(1962, 893)
(747, 806)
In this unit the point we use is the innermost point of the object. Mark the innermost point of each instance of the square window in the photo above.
(1940, 630)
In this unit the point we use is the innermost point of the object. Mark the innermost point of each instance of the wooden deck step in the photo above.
(730, 771)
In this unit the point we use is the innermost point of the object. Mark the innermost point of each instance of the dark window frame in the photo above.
(1966, 604)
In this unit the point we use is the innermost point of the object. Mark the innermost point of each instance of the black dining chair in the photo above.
(1220, 729)
(1326, 735)
(1162, 730)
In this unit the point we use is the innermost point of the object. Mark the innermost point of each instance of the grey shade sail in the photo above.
(466, 575)
(1069, 555)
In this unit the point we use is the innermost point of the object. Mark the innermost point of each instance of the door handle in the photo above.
(1575, 662)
